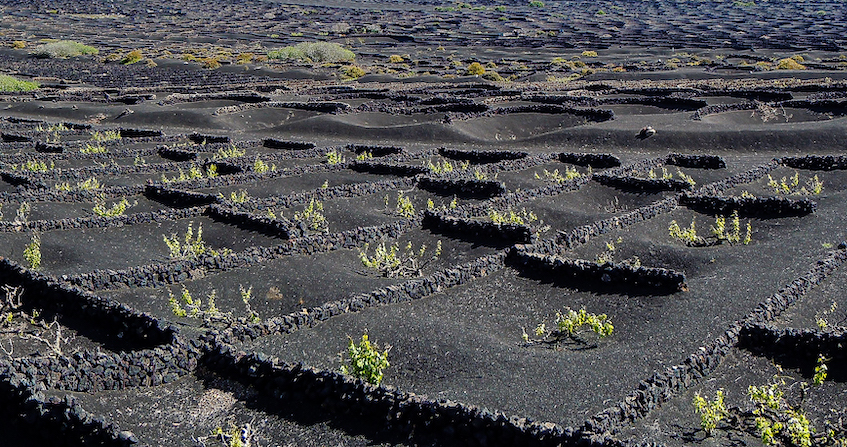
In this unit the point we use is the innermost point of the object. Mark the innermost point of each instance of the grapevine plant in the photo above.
(569, 325)
(365, 361)
(773, 418)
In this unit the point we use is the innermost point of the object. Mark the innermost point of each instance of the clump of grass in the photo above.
(63, 49)
(313, 52)
(652, 175)
(22, 214)
(688, 235)
(822, 318)
(820, 371)
(246, 296)
(12, 84)
(430, 205)
(234, 437)
(608, 255)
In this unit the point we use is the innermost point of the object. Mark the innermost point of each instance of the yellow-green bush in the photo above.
(790, 64)
(10, 84)
(353, 72)
(315, 52)
(63, 49)
(476, 69)
(132, 57)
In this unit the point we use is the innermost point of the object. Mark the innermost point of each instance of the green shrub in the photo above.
(391, 262)
(404, 206)
(555, 177)
(720, 232)
(791, 185)
(509, 216)
(88, 184)
(568, 325)
(352, 72)
(710, 412)
(11, 84)
(232, 152)
(777, 421)
(536, 4)
(132, 57)
(313, 217)
(334, 157)
(63, 49)
(476, 69)
(192, 247)
(493, 76)
(260, 167)
(107, 135)
(790, 64)
(365, 361)
(116, 209)
(93, 149)
(32, 252)
(239, 196)
(34, 166)
(211, 63)
(314, 52)
(820, 371)
(194, 172)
